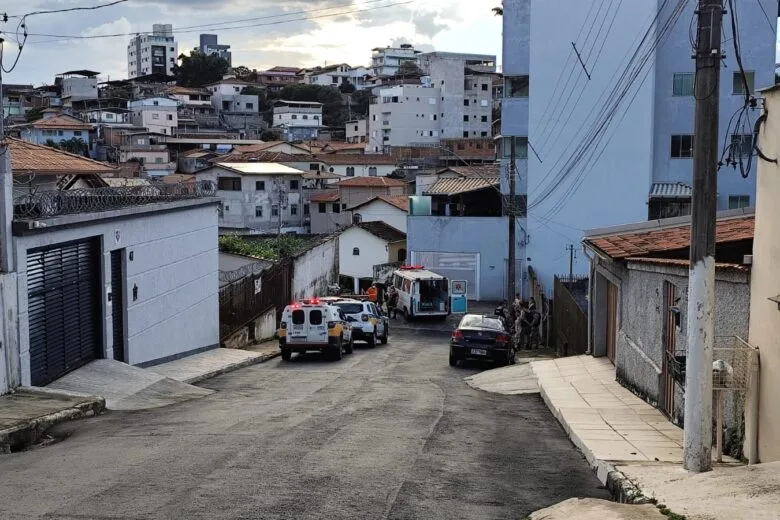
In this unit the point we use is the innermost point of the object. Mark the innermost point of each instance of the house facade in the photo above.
(155, 159)
(337, 75)
(156, 114)
(638, 306)
(356, 131)
(392, 210)
(55, 128)
(298, 120)
(226, 96)
(258, 198)
(641, 154)
(385, 61)
(364, 245)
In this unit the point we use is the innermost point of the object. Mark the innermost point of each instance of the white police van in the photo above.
(421, 292)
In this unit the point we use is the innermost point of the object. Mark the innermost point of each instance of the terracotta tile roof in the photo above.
(334, 147)
(326, 196)
(64, 122)
(382, 230)
(265, 146)
(399, 201)
(483, 170)
(364, 182)
(456, 185)
(642, 243)
(686, 263)
(262, 156)
(28, 158)
(188, 91)
(356, 159)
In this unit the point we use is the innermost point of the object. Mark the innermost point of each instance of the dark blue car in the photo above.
(481, 337)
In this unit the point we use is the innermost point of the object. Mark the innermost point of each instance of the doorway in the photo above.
(118, 304)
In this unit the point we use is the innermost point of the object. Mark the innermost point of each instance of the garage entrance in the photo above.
(453, 266)
(63, 291)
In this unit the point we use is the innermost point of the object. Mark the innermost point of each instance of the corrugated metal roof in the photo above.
(454, 186)
(670, 190)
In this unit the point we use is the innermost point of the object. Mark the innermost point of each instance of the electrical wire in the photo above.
(773, 28)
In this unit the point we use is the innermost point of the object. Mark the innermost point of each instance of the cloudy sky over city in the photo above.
(263, 33)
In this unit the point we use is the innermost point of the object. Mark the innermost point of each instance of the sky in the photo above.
(314, 36)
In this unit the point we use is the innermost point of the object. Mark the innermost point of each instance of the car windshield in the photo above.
(473, 320)
(350, 308)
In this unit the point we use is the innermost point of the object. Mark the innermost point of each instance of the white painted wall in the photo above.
(373, 251)
(174, 267)
(381, 211)
(9, 363)
(315, 269)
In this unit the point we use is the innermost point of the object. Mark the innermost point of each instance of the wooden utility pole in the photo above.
(570, 247)
(697, 440)
(511, 212)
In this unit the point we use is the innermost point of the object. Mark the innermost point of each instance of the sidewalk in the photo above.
(25, 415)
(637, 452)
(198, 367)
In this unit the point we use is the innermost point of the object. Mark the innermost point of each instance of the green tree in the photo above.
(52, 144)
(361, 99)
(270, 135)
(199, 69)
(334, 111)
(242, 72)
(34, 114)
(347, 88)
(74, 145)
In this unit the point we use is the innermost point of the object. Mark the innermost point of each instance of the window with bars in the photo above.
(738, 83)
(228, 184)
(739, 201)
(683, 84)
(682, 146)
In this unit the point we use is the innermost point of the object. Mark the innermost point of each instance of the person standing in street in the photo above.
(392, 301)
(372, 293)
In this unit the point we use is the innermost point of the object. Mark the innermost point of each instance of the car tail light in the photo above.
(283, 325)
(331, 324)
(364, 317)
(457, 334)
(502, 338)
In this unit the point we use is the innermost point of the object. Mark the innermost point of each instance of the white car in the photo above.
(368, 323)
(314, 325)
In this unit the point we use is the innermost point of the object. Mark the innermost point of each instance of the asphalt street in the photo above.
(387, 433)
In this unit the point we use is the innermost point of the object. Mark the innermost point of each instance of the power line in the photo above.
(67, 10)
(773, 28)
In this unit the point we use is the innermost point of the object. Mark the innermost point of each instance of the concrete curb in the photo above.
(27, 433)
(622, 489)
(230, 368)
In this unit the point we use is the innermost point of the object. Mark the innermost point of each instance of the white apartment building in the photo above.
(297, 113)
(154, 53)
(386, 61)
(78, 85)
(405, 115)
(156, 114)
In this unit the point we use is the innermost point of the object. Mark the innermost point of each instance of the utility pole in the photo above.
(510, 293)
(570, 247)
(697, 439)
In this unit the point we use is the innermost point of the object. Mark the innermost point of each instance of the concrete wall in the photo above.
(9, 325)
(264, 328)
(174, 268)
(765, 284)
(315, 269)
(417, 117)
(373, 251)
(381, 211)
(329, 221)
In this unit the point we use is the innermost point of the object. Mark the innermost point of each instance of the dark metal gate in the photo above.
(63, 287)
(118, 305)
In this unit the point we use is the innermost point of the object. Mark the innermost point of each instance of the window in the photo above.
(465, 117)
(742, 144)
(314, 167)
(156, 103)
(259, 185)
(250, 106)
(298, 317)
(465, 134)
(305, 116)
(465, 102)
(316, 117)
(337, 208)
(293, 209)
(350, 171)
(682, 146)
(274, 210)
(322, 208)
(155, 116)
(357, 218)
(355, 251)
(738, 82)
(228, 184)
(483, 134)
(294, 116)
(521, 147)
(158, 160)
(294, 184)
(236, 89)
(305, 209)
(516, 87)
(372, 171)
(77, 133)
(401, 255)
(484, 119)
(461, 146)
(739, 201)
(259, 211)
(683, 84)
(344, 207)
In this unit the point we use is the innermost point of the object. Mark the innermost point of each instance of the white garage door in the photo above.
(454, 266)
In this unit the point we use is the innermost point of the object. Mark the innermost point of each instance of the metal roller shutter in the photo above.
(63, 286)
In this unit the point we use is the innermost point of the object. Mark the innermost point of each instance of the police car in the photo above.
(314, 325)
(368, 323)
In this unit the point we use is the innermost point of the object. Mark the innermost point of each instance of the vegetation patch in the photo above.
(267, 248)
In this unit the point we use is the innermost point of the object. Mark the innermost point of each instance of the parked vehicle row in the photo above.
(330, 325)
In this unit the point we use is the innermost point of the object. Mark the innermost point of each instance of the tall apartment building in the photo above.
(154, 53)
(641, 167)
(455, 100)
(385, 61)
(209, 45)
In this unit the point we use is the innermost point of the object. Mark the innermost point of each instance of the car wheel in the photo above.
(286, 354)
(372, 340)
(453, 361)
(350, 348)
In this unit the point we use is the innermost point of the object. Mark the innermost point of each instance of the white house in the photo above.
(364, 245)
(336, 75)
(156, 114)
(391, 210)
(297, 113)
(258, 198)
(226, 96)
(358, 165)
(107, 116)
